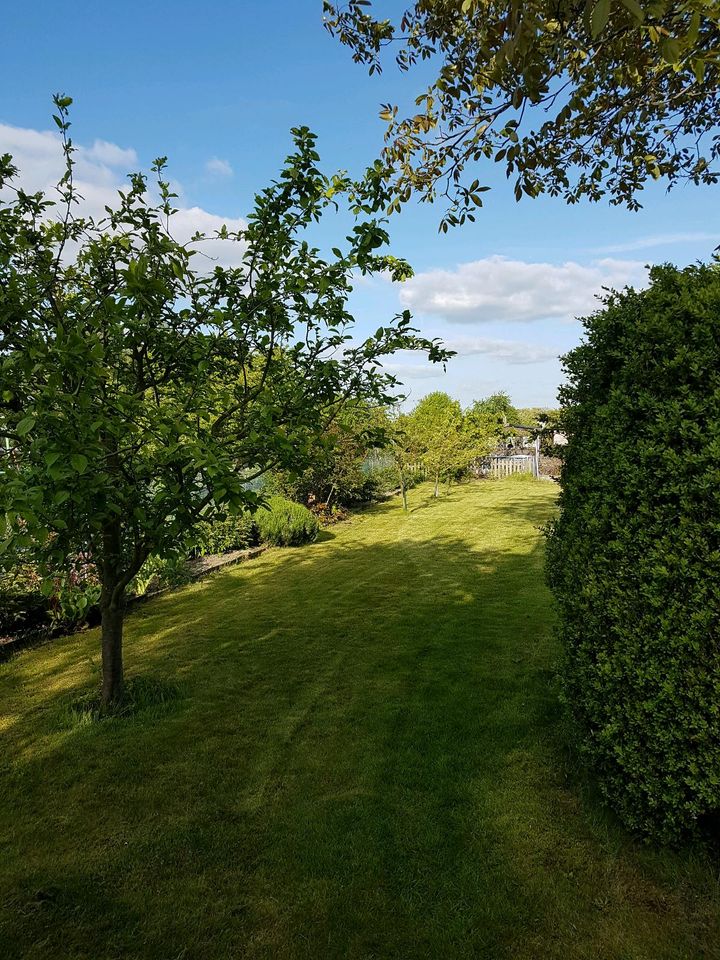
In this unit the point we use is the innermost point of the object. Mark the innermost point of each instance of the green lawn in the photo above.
(367, 762)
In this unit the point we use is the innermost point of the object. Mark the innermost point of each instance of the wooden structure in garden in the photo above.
(506, 464)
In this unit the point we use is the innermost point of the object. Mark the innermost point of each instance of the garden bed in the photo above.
(44, 632)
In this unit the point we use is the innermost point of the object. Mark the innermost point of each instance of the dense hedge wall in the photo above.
(634, 558)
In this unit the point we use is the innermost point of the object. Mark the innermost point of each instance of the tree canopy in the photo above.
(574, 99)
(142, 384)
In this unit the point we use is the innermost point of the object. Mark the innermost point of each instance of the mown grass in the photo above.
(365, 760)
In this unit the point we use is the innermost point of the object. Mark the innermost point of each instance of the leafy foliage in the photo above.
(634, 558)
(220, 536)
(75, 595)
(574, 99)
(449, 439)
(494, 414)
(142, 386)
(286, 524)
(335, 470)
(159, 573)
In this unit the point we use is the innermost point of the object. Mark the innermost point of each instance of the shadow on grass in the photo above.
(325, 535)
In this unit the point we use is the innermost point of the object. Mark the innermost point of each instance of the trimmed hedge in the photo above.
(286, 524)
(634, 557)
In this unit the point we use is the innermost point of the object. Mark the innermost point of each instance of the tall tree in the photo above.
(574, 98)
(493, 416)
(335, 468)
(142, 385)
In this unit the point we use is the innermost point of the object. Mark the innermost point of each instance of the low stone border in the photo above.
(204, 566)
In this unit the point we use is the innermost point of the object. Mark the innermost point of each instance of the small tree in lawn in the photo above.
(405, 448)
(141, 385)
(437, 423)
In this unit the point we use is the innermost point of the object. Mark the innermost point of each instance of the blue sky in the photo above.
(217, 86)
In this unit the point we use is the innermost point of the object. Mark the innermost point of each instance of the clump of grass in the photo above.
(145, 697)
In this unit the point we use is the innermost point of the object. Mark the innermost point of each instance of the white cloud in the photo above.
(111, 154)
(190, 220)
(218, 168)
(100, 171)
(414, 371)
(660, 240)
(406, 366)
(497, 289)
(510, 351)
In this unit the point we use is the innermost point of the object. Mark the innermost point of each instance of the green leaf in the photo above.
(25, 425)
(635, 9)
(600, 17)
(670, 50)
(79, 462)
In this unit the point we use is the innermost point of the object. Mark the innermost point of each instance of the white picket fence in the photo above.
(504, 466)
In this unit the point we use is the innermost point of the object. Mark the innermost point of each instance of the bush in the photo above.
(379, 481)
(286, 524)
(23, 607)
(76, 596)
(160, 573)
(634, 557)
(220, 536)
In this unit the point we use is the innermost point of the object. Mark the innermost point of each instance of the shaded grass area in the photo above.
(366, 760)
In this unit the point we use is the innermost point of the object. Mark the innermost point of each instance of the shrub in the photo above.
(159, 573)
(76, 595)
(286, 524)
(233, 533)
(22, 604)
(327, 515)
(30, 604)
(634, 557)
(379, 481)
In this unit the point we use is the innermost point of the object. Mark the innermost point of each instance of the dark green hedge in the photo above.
(634, 558)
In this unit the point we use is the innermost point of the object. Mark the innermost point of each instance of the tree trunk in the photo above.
(112, 614)
(437, 482)
(403, 491)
